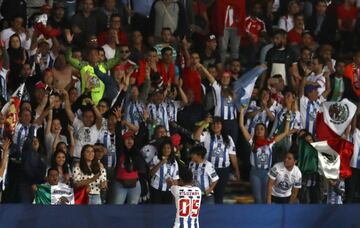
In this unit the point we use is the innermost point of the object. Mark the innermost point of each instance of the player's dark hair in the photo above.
(198, 150)
(186, 176)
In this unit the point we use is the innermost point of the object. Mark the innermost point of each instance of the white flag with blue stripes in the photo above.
(244, 86)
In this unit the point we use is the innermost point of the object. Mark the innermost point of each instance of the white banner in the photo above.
(62, 194)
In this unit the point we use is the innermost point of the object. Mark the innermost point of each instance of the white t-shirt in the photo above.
(7, 33)
(109, 51)
(188, 202)
(84, 135)
(284, 180)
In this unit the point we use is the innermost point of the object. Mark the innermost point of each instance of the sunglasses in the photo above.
(125, 51)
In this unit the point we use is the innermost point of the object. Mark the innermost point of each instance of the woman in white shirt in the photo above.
(284, 181)
(91, 173)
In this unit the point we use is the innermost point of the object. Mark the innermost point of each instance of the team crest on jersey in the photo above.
(283, 185)
(338, 113)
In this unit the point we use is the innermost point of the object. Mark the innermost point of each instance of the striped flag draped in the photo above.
(244, 86)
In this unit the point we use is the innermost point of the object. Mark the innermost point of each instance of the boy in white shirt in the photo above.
(284, 181)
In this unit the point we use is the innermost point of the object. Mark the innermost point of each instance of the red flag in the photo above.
(81, 195)
(323, 132)
(345, 149)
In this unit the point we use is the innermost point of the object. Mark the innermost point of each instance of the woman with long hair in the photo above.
(224, 97)
(17, 57)
(221, 152)
(91, 173)
(60, 162)
(164, 171)
(126, 187)
(261, 110)
(261, 155)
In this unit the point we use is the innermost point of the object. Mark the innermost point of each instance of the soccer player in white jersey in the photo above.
(187, 200)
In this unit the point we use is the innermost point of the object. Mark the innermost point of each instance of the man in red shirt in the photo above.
(294, 35)
(228, 22)
(254, 28)
(115, 23)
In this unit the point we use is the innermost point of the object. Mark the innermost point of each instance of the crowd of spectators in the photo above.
(120, 96)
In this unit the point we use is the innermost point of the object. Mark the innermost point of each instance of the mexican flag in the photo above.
(338, 115)
(330, 126)
(54, 194)
(308, 161)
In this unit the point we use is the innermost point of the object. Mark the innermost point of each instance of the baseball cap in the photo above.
(128, 134)
(40, 85)
(211, 37)
(310, 88)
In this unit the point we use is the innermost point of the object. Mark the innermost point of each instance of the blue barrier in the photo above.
(154, 216)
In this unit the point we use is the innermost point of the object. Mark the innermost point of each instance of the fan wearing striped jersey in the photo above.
(187, 200)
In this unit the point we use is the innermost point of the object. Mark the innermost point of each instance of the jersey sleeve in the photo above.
(297, 182)
(274, 171)
(232, 148)
(210, 171)
(175, 175)
(204, 136)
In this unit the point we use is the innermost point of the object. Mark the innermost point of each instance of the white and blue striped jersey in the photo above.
(172, 108)
(355, 159)
(108, 140)
(217, 152)
(134, 112)
(261, 157)
(167, 170)
(261, 116)
(188, 202)
(20, 135)
(159, 114)
(295, 121)
(3, 84)
(320, 79)
(335, 193)
(308, 111)
(204, 174)
(224, 106)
